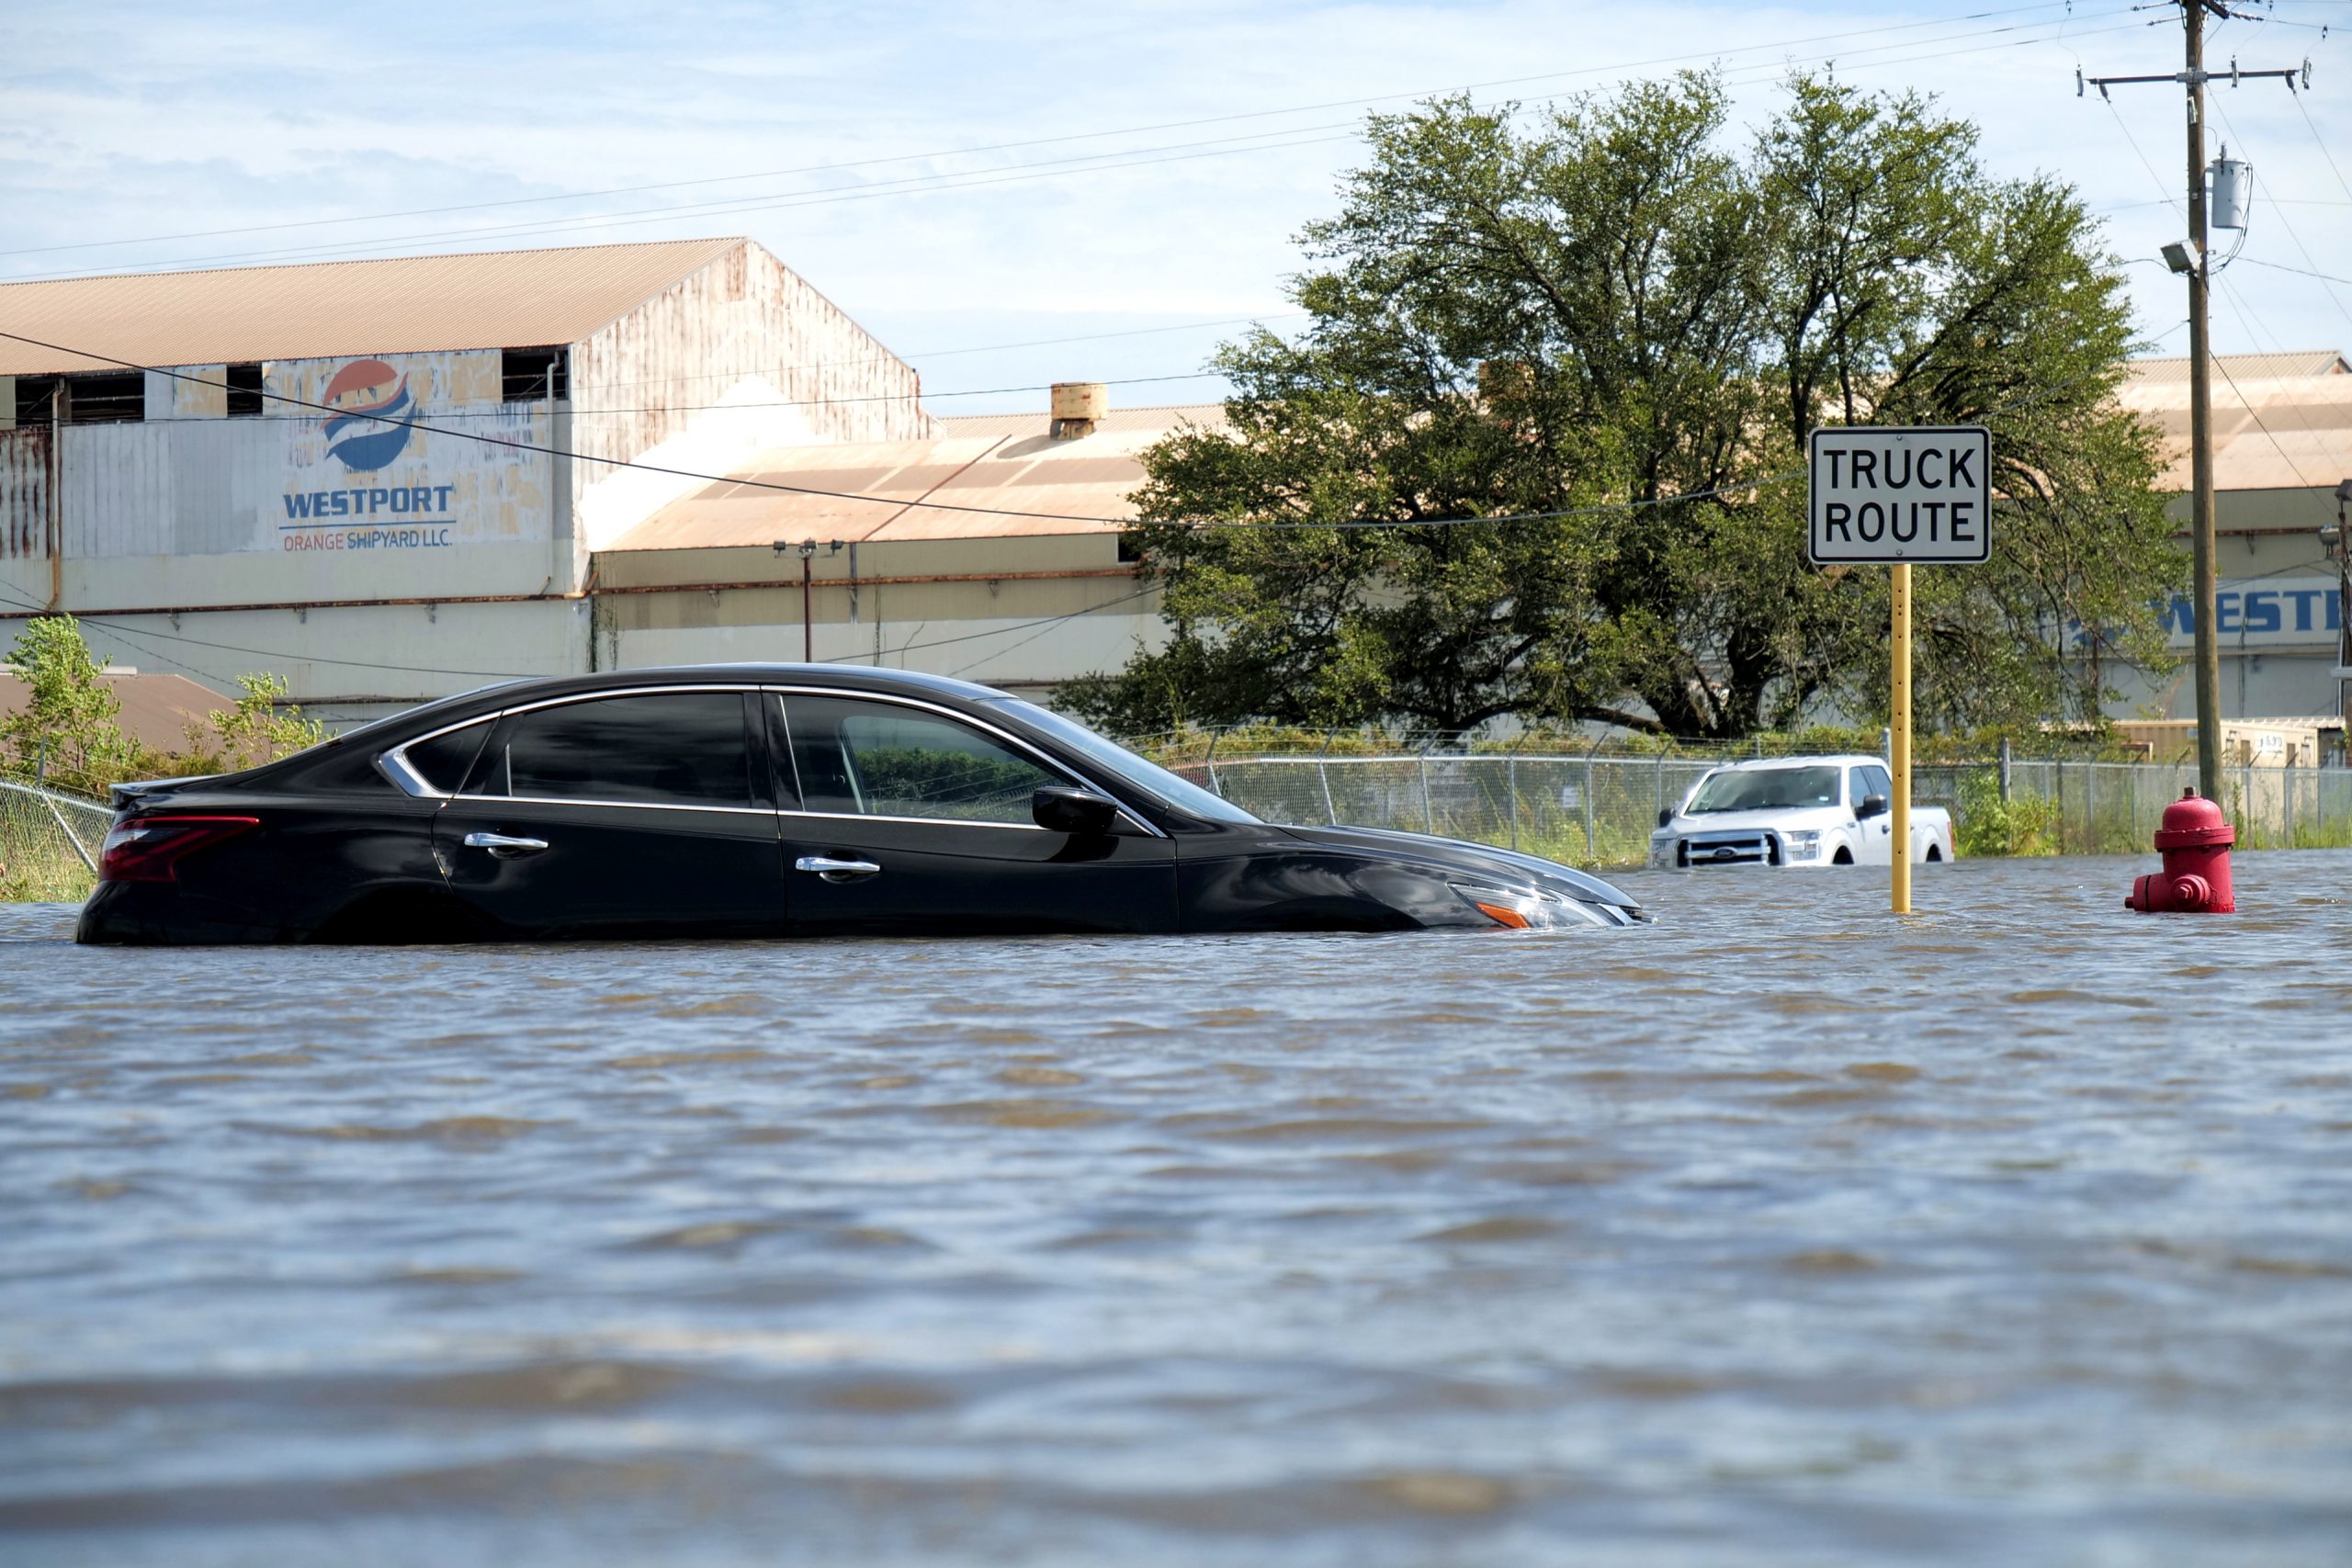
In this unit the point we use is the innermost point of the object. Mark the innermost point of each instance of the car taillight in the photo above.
(149, 849)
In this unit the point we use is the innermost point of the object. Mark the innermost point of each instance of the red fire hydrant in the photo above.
(2195, 841)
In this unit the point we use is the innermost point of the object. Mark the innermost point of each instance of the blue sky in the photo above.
(965, 177)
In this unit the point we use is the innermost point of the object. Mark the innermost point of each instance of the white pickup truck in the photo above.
(1795, 811)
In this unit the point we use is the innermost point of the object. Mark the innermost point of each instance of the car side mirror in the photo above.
(1065, 809)
(1665, 815)
(1872, 806)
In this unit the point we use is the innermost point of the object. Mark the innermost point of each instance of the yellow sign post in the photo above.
(1898, 723)
(1891, 495)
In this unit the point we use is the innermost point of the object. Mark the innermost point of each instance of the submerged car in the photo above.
(762, 801)
(1795, 811)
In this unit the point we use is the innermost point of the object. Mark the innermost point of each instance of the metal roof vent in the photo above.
(1077, 408)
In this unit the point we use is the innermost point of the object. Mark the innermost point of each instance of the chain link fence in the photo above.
(1586, 807)
(1598, 807)
(49, 842)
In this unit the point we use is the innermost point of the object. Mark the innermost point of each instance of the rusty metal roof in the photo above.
(324, 309)
(1017, 480)
(2280, 421)
(2311, 362)
(157, 710)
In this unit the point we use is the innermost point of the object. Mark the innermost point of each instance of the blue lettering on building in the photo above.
(303, 508)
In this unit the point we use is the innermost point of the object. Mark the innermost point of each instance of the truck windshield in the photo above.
(1767, 789)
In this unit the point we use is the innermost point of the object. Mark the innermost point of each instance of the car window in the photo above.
(879, 759)
(1766, 789)
(443, 760)
(660, 748)
(1125, 766)
(1873, 780)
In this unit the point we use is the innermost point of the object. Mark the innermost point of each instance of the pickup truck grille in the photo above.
(1750, 847)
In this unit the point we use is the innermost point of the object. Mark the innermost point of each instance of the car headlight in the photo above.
(1526, 911)
(1804, 844)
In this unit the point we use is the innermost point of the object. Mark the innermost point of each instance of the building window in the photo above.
(534, 375)
(35, 399)
(106, 396)
(245, 391)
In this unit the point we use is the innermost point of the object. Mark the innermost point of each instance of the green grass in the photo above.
(37, 865)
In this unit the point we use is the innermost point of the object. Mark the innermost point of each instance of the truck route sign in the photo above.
(1888, 494)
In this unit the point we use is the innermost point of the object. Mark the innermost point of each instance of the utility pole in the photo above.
(808, 617)
(806, 549)
(2193, 262)
(2338, 541)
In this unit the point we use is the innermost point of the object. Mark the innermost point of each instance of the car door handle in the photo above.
(833, 870)
(504, 847)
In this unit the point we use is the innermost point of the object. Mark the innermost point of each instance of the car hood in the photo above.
(1509, 866)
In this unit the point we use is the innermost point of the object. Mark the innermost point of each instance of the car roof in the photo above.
(508, 694)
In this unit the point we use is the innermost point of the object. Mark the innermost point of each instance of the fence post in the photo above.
(71, 837)
(1323, 777)
(1214, 735)
(1510, 780)
(2059, 772)
(1592, 844)
(2131, 807)
(1659, 805)
(2005, 759)
(2287, 803)
(1428, 809)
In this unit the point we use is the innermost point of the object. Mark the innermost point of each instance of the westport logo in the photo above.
(364, 393)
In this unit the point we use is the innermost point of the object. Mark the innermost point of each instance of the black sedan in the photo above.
(762, 800)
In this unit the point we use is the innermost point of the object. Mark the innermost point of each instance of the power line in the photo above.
(506, 411)
(2247, 320)
(145, 637)
(141, 639)
(927, 185)
(1034, 141)
(1732, 488)
(1131, 158)
(2290, 228)
(2305, 272)
(747, 483)
(2313, 126)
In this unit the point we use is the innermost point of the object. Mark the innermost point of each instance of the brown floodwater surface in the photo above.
(1782, 1232)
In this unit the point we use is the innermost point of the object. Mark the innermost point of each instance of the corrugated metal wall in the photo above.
(24, 492)
(199, 486)
(740, 357)
(642, 379)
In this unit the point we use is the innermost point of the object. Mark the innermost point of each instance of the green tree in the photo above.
(66, 729)
(258, 728)
(1607, 312)
(67, 726)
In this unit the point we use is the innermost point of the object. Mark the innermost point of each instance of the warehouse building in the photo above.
(2282, 445)
(389, 480)
(992, 551)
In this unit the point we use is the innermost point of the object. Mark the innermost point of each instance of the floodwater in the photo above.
(1779, 1233)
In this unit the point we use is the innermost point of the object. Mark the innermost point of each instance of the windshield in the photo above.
(1126, 766)
(1766, 789)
